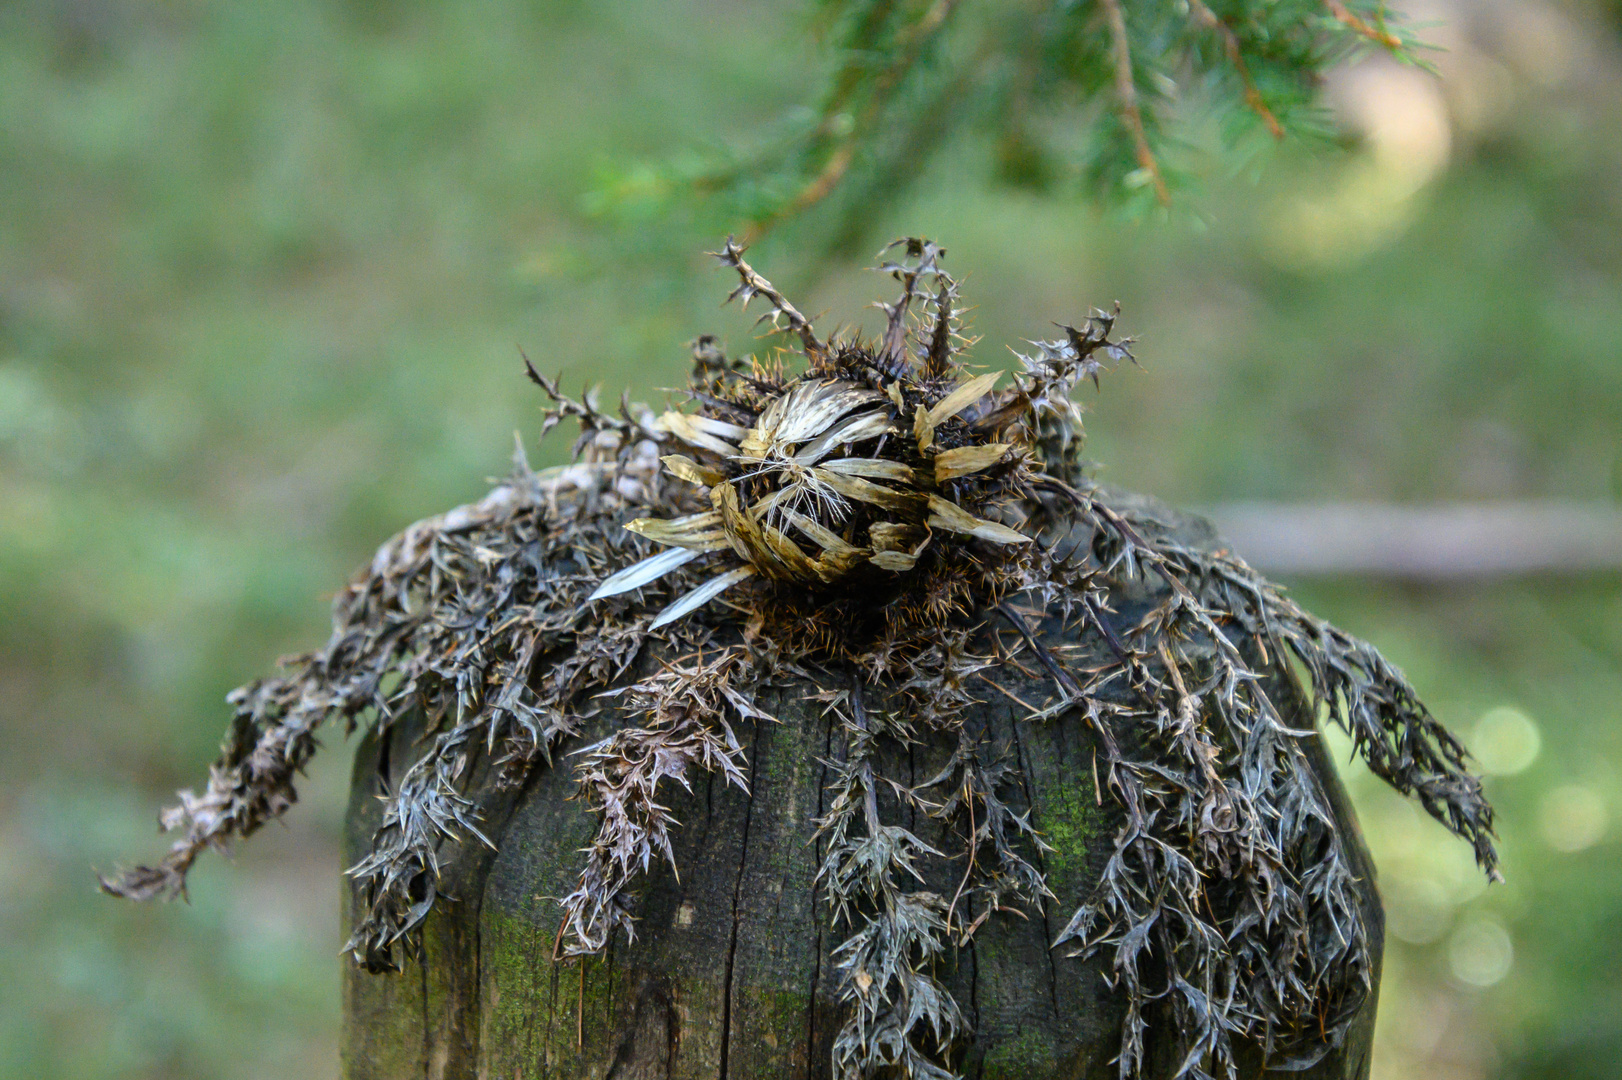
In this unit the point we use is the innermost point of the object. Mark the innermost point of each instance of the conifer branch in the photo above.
(1123, 87)
(1206, 18)
(1348, 18)
(911, 41)
(1126, 92)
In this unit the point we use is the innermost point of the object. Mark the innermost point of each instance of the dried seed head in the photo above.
(876, 463)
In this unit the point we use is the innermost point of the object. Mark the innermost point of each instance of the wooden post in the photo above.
(730, 975)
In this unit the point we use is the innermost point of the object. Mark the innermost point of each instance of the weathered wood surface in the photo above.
(730, 975)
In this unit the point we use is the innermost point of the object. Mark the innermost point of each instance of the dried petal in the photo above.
(854, 488)
(961, 398)
(701, 532)
(871, 469)
(944, 514)
(701, 596)
(704, 432)
(950, 464)
(645, 572)
(685, 468)
(857, 429)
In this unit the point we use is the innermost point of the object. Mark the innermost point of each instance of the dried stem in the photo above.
(686, 706)
(752, 285)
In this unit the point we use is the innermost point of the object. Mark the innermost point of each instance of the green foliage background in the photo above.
(263, 272)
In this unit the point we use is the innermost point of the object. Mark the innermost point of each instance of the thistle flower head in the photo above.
(875, 462)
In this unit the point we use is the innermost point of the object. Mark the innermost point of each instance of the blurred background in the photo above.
(264, 272)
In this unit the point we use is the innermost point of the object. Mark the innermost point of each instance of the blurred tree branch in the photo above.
(1443, 542)
(1127, 102)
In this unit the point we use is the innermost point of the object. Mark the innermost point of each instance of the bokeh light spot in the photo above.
(1480, 953)
(1505, 741)
(1417, 910)
(1573, 817)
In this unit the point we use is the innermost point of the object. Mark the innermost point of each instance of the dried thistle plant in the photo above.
(686, 706)
(890, 527)
(857, 470)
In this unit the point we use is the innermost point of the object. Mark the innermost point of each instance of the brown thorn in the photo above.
(1172, 667)
(1108, 631)
(534, 376)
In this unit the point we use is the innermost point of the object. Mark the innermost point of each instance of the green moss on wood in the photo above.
(778, 1017)
(1019, 1057)
(1069, 817)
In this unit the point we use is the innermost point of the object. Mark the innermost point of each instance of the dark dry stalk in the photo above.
(752, 285)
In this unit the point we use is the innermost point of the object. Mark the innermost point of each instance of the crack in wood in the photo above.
(1041, 863)
(737, 894)
(817, 958)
